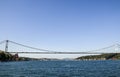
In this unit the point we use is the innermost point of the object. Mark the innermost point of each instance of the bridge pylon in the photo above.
(6, 45)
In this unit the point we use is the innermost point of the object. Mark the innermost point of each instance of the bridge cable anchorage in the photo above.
(32, 47)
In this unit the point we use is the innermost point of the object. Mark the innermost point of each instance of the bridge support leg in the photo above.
(6, 46)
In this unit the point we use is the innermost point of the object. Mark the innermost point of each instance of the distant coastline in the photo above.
(112, 56)
(5, 56)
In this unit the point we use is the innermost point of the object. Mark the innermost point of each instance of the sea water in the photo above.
(107, 68)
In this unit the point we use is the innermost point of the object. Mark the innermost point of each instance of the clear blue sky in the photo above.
(67, 25)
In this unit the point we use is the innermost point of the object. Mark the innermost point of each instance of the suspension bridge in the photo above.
(106, 50)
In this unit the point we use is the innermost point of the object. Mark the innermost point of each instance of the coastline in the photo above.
(6, 57)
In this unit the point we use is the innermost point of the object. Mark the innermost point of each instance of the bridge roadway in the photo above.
(64, 52)
(105, 50)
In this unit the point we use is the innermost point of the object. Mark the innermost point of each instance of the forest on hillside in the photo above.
(112, 56)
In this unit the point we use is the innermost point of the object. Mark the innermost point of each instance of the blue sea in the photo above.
(107, 68)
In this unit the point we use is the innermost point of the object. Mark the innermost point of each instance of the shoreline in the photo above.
(7, 57)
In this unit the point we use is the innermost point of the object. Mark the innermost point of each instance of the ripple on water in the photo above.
(60, 69)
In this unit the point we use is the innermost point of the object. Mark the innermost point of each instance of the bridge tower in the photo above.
(6, 45)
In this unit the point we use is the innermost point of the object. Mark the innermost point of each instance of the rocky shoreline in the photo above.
(5, 56)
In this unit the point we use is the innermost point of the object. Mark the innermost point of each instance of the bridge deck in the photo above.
(62, 52)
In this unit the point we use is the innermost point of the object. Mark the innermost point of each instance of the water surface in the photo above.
(106, 68)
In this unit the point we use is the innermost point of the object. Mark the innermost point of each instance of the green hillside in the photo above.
(5, 56)
(115, 56)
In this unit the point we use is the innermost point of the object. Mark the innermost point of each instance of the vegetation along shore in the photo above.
(111, 56)
(5, 56)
